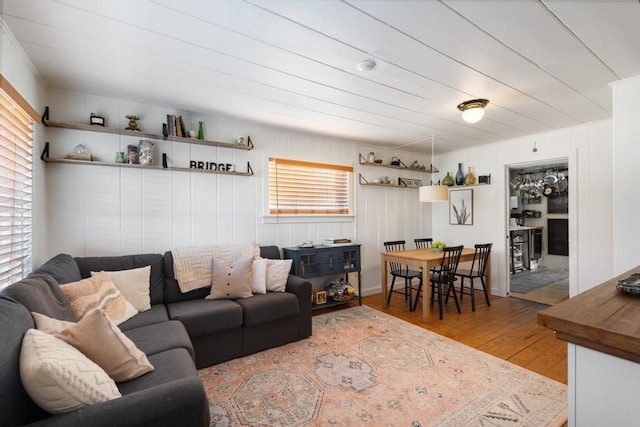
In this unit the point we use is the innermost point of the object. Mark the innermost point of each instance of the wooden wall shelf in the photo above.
(363, 161)
(100, 129)
(152, 167)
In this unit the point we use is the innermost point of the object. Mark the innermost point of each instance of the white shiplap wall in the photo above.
(588, 149)
(107, 210)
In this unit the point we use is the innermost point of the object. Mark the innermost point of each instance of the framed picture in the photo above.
(321, 297)
(409, 182)
(461, 207)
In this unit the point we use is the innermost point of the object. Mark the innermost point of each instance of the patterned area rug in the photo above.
(364, 367)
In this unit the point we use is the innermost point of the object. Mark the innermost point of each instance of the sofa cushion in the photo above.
(231, 279)
(192, 264)
(171, 365)
(205, 317)
(157, 314)
(59, 377)
(128, 262)
(41, 293)
(61, 267)
(153, 339)
(272, 252)
(133, 284)
(16, 407)
(268, 307)
(102, 342)
(98, 292)
(172, 291)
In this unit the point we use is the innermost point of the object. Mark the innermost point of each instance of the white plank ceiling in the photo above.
(543, 64)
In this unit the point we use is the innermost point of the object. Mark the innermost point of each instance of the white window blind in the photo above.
(16, 147)
(308, 188)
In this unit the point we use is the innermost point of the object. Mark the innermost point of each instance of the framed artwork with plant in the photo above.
(461, 207)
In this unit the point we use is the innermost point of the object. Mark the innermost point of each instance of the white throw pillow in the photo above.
(58, 377)
(277, 274)
(134, 285)
(259, 282)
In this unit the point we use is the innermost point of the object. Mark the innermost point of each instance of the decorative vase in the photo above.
(448, 180)
(469, 178)
(120, 157)
(200, 130)
(145, 152)
(459, 175)
(371, 157)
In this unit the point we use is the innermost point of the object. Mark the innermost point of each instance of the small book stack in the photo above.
(333, 241)
(79, 156)
(175, 126)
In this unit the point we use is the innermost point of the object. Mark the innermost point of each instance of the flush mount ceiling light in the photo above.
(473, 110)
(366, 65)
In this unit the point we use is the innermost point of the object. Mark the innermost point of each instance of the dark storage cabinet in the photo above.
(320, 261)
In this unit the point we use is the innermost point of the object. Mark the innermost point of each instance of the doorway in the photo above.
(538, 243)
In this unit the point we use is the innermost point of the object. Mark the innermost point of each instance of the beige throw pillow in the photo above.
(134, 285)
(277, 274)
(100, 340)
(98, 292)
(58, 377)
(231, 279)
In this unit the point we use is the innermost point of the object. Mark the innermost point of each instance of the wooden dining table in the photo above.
(426, 259)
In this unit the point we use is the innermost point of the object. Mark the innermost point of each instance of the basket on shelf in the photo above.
(340, 290)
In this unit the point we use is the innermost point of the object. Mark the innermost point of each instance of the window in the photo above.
(15, 187)
(309, 188)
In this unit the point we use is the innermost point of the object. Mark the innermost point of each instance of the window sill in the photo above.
(301, 219)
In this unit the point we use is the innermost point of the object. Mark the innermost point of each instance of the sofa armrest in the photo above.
(301, 288)
(182, 402)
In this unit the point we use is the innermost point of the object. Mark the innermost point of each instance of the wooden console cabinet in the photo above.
(319, 261)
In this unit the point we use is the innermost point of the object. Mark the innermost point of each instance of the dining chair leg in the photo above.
(440, 299)
(473, 296)
(415, 302)
(455, 297)
(484, 288)
(393, 281)
(408, 290)
(461, 287)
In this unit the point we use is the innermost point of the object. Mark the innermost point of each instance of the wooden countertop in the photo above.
(603, 319)
(524, 227)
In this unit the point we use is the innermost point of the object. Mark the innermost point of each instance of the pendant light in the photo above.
(473, 110)
(433, 192)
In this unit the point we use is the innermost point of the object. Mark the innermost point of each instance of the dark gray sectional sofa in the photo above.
(180, 334)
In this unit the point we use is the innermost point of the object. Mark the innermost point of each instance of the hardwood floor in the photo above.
(551, 294)
(508, 330)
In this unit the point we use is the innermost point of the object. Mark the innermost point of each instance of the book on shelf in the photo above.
(332, 241)
(176, 121)
(170, 125)
(183, 129)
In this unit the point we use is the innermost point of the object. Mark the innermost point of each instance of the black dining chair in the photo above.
(403, 271)
(444, 274)
(423, 243)
(478, 270)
